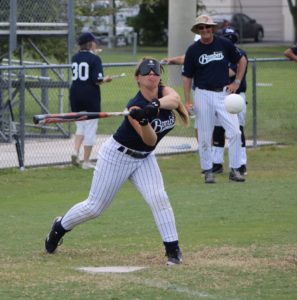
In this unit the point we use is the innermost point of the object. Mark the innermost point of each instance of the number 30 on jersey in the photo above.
(80, 71)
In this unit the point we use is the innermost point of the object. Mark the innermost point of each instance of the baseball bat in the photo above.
(75, 116)
(16, 138)
(118, 76)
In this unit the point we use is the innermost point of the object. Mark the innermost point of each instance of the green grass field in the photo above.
(239, 240)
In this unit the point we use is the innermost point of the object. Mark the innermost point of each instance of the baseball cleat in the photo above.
(235, 175)
(174, 257)
(242, 170)
(75, 160)
(53, 239)
(217, 168)
(209, 177)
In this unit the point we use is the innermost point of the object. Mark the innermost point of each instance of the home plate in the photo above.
(264, 84)
(110, 269)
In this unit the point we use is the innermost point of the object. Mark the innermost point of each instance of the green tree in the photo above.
(293, 10)
(151, 23)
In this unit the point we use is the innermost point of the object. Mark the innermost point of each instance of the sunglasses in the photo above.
(201, 27)
(149, 65)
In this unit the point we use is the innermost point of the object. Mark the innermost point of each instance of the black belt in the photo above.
(213, 89)
(132, 153)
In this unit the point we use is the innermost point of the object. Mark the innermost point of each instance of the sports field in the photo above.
(239, 240)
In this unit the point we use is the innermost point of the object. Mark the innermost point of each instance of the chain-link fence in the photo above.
(39, 89)
(31, 11)
(44, 89)
(272, 100)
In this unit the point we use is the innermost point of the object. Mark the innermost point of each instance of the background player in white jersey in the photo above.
(128, 155)
(87, 75)
(206, 62)
(219, 131)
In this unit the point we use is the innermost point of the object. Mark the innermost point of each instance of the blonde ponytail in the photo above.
(183, 113)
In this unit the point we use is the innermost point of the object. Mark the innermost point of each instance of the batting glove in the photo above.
(152, 109)
(140, 116)
(156, 103)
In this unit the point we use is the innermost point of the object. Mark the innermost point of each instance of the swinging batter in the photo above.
(129, 155)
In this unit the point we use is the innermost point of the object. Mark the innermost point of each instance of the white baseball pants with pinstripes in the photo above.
(218, 152)
(208, 106)
(113, 169)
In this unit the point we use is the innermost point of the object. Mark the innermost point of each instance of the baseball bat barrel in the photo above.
(73, 117)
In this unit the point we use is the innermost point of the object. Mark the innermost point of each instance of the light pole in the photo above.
(182, 16)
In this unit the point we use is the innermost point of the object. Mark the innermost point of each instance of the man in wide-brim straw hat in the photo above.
(202, 20)
(206, 67)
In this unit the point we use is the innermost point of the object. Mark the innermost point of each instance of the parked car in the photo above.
(245, 26)
(100, 27)
(124, 36)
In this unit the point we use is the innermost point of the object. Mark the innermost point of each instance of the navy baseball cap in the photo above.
(86, 37)
(230, 34)
(148, 65)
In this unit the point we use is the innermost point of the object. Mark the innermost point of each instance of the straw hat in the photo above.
(202, 20)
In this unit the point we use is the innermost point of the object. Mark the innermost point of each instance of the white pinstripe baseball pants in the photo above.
(208, 106)
(218, 152)
(113, 169)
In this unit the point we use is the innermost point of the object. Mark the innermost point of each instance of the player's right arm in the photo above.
(107, 78)
(188, 73)
(177, 60)
(143, 127)
(187, 83)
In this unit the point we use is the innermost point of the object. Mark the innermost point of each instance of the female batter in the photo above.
(128, 154)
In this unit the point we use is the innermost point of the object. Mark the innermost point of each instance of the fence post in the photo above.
(134, 49)
(254, 103)
(22, 113)
(44, 97)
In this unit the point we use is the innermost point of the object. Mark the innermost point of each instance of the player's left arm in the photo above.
(241, 67)
(171, 100)
(106, 79)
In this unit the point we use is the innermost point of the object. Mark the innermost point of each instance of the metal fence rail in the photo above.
(37, 89)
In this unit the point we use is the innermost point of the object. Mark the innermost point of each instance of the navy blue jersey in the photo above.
(208, 64)
(242, 86)
(162, 124)
(87, 72)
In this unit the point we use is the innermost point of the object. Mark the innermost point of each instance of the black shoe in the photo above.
(174, 257)
(53, 239)
(242, 170)
(208, 177)
(217, 168)
(236, 176)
